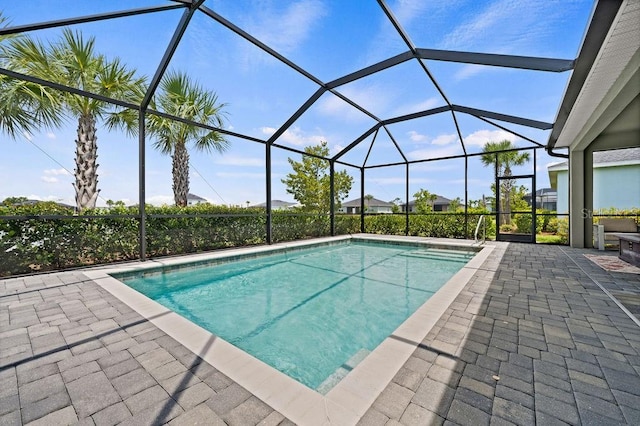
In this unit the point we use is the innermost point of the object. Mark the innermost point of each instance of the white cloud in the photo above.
(446, 145)
(51, 135)
(295, 136)
(408, 10)
(243, 175)
(233, 160)
(417, 137)
(443, 151)
(336, 149)
(433, 167)
(57, 172)
(50, 175)
(158, 200)
(397, 180)
(521, 26)
(285, 30)
(418, 106)
(445, 139)
(468, 71)
(481, 137)
(371, 98)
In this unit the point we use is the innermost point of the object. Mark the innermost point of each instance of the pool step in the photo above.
(342, 371)
(441, 254)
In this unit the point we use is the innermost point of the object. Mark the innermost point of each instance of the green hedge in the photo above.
(48, 237)
(439, 225)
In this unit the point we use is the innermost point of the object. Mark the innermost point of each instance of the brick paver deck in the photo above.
(531, 339)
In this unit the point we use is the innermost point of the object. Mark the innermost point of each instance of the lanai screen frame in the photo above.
(413, 53)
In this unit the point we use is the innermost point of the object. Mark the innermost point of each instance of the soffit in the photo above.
(615, 56)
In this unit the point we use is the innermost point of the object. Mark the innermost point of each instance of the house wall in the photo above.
(617, 187)
(563, 192)
(379, 209)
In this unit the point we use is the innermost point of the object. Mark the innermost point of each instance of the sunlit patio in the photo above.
(524, 334)
(538, 334)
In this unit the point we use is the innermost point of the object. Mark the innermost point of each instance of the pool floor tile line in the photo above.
(530, 339)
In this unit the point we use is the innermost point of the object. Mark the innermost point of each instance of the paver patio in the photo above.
(531, 339)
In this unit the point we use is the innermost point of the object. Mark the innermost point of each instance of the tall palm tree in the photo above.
(182, 97)
(74, 62)
(505, 161)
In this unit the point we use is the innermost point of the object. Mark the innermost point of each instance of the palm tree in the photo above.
(180, 96)
(24, 107)
(367, 201)
(73, 62)
(505, 161)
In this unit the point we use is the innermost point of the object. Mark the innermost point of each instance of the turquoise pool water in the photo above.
(310, 313)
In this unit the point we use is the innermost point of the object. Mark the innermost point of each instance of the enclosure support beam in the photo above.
(362, 199)
(332, 192)
(534, 206)
(466, 197)
(268, 190)
(168, 54)
(406, 205)
(503, 117)
(142, 243)
(491, 59)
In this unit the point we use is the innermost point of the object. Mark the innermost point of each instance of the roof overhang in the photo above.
(601, 102)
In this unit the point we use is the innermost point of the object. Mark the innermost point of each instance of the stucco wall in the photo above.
(617, 187)
(563, 191)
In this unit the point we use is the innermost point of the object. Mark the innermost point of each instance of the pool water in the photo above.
(311, 313)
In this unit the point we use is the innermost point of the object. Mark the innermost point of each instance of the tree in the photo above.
(367, 201)
(455, 204)
(182, 97)
(395, 208)
(24, 106)
(424, 201)
(10, 201)
(72, 61)
(310, 181)
(504, 162)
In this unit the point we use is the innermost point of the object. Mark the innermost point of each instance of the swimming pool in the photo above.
(312, 313)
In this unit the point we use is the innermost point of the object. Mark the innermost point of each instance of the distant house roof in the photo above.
(276, 204)
(440, 200)
(544, 192)
(33, 202)
(195, 197)
(373, 202)
(615, 157)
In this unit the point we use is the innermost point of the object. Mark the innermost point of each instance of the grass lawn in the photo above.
(548, 239)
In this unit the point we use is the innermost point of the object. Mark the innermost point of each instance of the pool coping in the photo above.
(349, 400)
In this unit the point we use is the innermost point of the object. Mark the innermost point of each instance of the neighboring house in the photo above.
(546, 199)
(371, 205)
(616, 180)
(440, 204)
(278, 205)
(193, 199)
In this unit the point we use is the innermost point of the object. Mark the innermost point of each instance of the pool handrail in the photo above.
(482, 220)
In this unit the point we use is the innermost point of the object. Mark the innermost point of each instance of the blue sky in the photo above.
(328, 39)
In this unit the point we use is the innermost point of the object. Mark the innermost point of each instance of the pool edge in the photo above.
(349, 400)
